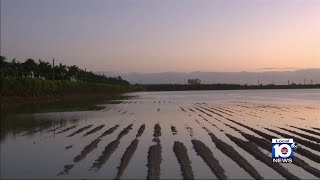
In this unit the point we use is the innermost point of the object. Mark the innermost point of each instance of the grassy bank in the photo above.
(28, 87)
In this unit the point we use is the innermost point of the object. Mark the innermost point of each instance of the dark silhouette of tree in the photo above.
(44, 69)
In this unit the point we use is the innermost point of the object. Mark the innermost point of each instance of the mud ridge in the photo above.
(308, 144)
(87, 150)
(307, 130)
(304, 152)
(110, 149)
(300, 150)
(174, 130)
(251, 148)
(206, 154)
(211, 111)
(265, 144)
(203, 111)
(109, 131)
(141, 130)
(311, 138)
(182, 156)
(157, 131)
(80, 130)
(66, 170)
(154, 161)
(94, 130)
(154, 155)
(182, 109)
(31, 132)
(66, 129)
(125, 131)
(131, 149)
(52, 130)
(220, 111)
(235, 156)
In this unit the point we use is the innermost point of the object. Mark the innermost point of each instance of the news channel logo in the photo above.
(282, 150)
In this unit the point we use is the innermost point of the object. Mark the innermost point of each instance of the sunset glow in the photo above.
(154, 36)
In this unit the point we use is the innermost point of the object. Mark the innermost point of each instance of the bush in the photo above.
(36, 87)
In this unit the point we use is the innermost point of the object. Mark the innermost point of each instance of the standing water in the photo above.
(190, 134)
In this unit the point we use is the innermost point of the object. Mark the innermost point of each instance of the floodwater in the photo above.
(190, 134)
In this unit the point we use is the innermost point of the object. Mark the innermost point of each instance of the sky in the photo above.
(164, 35)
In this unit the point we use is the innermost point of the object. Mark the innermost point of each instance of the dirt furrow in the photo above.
(141, 130)
(311, 138)
(316, 128)
(31, 132)
(304, 152)
(131, 149)
(66, 129)
(306, 143)
(52, 130)
(154, 155)
(109, 149)
(154, 161)
(216, 109)
(182, 109)
(90, 147)
(251, 148)
(307, 130)
(212, 111)
(206, 154)
(173, 130)
(310, 155)
(66, 170)
(234, 155)
(182, 156)
(203, 111)
(125, 131)
(265, 144)
(80, 130)
(109, 131)
(94, 130)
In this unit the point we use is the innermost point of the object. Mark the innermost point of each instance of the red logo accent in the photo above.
(284, 150)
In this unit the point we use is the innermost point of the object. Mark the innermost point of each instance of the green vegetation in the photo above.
(37, 87)
(41, 79)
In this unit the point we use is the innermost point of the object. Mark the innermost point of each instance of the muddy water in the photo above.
(199, 134)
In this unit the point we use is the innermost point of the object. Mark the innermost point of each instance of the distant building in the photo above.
(194, 81)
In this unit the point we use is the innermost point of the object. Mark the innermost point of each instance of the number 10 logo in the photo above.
(282, 150)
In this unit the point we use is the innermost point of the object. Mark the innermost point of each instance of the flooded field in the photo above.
(168, 135)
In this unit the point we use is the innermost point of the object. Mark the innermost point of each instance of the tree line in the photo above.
(191, 87)
(45, 70)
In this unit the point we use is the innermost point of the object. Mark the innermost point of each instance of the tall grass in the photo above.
(37, 87)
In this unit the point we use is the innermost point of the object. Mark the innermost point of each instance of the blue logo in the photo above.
(282, 150)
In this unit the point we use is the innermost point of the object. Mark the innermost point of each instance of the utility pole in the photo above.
(288, 82)
(53, 69)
